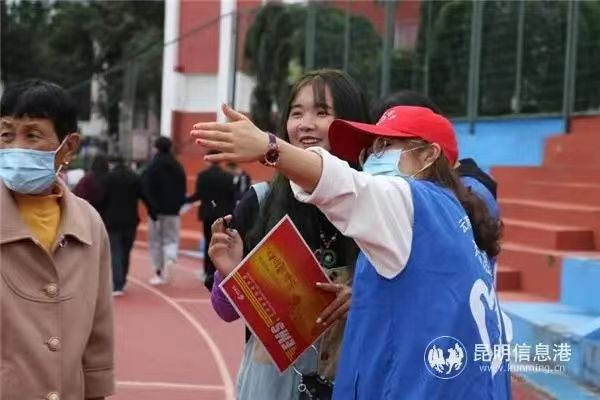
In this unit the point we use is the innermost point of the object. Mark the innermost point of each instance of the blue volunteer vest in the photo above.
(416, 336)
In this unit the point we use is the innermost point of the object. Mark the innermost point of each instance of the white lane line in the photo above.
(199, 301)
(168, 385)
(214, 349)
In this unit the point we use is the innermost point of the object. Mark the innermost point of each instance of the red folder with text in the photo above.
(274, 290)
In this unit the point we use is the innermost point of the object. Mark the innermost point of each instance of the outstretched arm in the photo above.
(241, 141)
(356, 203)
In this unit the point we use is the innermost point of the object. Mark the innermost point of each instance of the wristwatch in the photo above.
(272, 153)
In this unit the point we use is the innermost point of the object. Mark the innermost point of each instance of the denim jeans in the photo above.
(121, 242)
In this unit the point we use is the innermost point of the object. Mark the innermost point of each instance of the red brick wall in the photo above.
(183, 144)
(199, 52)
(587, 125)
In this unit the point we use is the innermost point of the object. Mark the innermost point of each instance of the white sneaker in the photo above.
(157, 280)
(118, 293)
(168, 272)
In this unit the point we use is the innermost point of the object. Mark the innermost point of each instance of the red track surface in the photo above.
(170, 344)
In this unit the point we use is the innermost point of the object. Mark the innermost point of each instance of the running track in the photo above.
(170, 345)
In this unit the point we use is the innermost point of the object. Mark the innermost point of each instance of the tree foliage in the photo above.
(543, 55)
(68, 42)
(268, 46)
(276, 44)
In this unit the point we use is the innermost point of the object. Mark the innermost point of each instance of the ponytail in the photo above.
(486, 229)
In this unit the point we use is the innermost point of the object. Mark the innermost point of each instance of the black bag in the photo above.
(315, 387)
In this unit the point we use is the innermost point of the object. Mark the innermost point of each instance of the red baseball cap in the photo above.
(348, 138)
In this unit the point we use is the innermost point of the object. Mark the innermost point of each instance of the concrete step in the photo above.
(585, 125)
(550, 212)
(553, 213)
(521, 296)
(555, 386)
(566, 174)
(524, 390)
(560, 237)
(559, 192)
(508, 279)
(540, 269)
(572, 150)
(553, 324)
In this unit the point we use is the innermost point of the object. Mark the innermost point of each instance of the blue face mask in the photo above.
(28, 171)
(388, 163)
(383, 164)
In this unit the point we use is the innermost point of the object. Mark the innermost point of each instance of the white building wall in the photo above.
(170, 76)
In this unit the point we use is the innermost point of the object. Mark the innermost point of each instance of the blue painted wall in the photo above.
(507, 141)
(580, 284)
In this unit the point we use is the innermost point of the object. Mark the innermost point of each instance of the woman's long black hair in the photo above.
(486, 229)
(348, 103)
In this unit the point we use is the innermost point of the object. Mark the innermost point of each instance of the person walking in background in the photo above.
(241, 180)
(217, 192)
(119, 210)
(90, 187)
(163, 192)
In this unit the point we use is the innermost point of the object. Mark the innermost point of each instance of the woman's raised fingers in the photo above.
(216, 249)
(220, 225)
(213, 126)
(212, 135)
(220, 238)
(232, 114)
(221, 147)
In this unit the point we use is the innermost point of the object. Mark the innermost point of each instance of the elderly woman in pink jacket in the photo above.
(55, 291)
